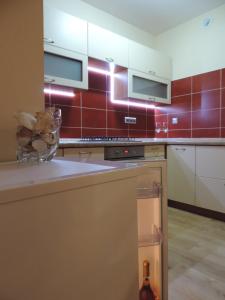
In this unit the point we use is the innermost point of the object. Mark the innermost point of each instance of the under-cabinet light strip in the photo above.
(120, 102)
(99, 71)
(109, 73)
(58, 92)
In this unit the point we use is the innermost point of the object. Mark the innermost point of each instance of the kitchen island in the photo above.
(69, 231)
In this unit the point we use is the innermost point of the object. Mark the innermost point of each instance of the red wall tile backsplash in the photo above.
(197, 110)
(198, 103)
(91, 113)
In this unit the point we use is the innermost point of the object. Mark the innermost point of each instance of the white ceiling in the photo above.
(155, 16)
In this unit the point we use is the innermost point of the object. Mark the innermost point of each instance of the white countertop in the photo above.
(24, 181)
(17, 174)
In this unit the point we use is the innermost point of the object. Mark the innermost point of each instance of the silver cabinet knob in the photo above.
(49, 40)
(49, 80)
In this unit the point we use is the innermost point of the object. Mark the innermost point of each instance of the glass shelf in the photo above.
(152, 239)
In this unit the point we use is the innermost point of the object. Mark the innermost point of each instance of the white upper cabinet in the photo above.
(64, 30)
(106, 45)
(148, 87)
(150, 61)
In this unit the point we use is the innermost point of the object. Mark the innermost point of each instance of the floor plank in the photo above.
(196, 257)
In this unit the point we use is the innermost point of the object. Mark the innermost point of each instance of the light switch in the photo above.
(174, 121)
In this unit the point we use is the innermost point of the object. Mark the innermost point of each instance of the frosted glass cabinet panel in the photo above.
(65, 67)
(148, 87)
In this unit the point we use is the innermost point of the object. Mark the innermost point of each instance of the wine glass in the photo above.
(165, 127)
(158, 127)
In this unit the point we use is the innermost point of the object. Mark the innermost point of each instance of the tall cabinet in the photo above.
(152, 226)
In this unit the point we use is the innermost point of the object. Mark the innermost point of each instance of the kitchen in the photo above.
(196, 109)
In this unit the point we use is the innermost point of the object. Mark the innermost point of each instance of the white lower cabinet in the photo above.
(210, 193)
(181, 173)
(210, 161)
(210, 177)
(196, 175)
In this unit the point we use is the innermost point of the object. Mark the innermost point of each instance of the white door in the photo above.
(64, 30)
(106, 45)
(148, 60)
(210, 193)
(210, 180)
(210, 161)
(181, 173)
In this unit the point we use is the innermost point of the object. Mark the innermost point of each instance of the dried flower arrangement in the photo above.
(38, 135)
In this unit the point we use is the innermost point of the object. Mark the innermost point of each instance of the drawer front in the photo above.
(155, 151)
(85, 153)
(210, 193)
(210, 161)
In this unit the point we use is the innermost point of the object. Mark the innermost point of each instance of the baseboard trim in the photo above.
(197, 210)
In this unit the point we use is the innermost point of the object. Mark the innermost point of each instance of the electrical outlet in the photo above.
(130, 120)
(174, 121)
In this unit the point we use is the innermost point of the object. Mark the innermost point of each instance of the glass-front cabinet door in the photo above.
(148, 87)
(65, 67)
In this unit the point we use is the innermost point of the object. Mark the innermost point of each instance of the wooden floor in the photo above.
(196, 257)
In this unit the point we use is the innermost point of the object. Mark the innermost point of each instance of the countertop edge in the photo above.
(144, 142)
(21, 193)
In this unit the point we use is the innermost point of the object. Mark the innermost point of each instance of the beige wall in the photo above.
(194, 48)
(96, 16)
(21, 57)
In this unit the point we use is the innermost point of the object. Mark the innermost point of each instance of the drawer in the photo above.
(85, 153)
(155, 151)
(210, 161)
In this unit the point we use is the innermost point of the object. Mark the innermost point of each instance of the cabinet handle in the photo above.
(180, 149)
(109, 59)
(49, 80)
(49, 40)
(84, 153)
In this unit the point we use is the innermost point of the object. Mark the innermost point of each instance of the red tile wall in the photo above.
(199, 104)
(90, 113)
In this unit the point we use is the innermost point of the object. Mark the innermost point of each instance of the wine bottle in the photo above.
(146, 292)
